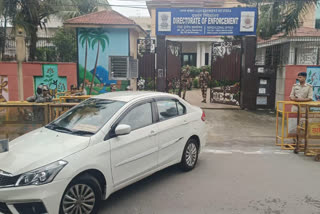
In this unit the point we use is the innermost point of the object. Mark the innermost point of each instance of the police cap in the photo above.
(302, 74)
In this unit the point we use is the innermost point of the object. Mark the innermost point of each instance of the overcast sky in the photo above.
(127, 10)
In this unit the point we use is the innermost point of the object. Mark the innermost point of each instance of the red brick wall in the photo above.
(30, 70)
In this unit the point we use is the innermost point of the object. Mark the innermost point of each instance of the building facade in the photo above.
(196, 50)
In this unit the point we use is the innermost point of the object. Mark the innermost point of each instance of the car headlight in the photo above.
(41, 175)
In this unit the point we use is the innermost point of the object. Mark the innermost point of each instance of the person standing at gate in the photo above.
(302, 92)
(185, 74)
(204, 82)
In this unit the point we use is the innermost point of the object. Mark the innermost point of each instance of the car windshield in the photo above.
(87, 118)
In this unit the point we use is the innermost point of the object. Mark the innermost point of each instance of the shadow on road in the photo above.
(142, 186)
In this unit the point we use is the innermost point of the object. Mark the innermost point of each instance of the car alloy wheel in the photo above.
(79, 198)
(191, 154)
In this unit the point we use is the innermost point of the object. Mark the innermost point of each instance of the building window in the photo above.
(207, 59)
(189, 59)
(317, 23)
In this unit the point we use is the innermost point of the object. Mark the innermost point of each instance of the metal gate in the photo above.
(173, 67)
(147, 77)
(225, 72)
(146, 57)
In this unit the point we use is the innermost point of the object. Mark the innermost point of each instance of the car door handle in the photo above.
(152, 133)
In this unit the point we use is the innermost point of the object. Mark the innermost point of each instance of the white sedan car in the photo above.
(96, 148)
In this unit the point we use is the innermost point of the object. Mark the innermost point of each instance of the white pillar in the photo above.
(198, 55)
(203, 54)
(292, 53)
(21, 56)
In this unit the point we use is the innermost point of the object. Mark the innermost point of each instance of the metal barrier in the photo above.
(73, 99)
(18, 118)
(287, 118)
(308, 137)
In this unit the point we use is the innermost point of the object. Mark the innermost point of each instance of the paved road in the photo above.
(240, 171)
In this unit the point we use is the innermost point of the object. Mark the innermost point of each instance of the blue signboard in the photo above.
(206, 21)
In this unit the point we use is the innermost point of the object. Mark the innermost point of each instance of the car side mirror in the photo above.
(122, 129)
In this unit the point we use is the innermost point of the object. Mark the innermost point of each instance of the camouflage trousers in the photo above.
(184, 88)
(204, 89)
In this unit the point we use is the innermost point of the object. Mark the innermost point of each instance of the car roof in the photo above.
(127, 96)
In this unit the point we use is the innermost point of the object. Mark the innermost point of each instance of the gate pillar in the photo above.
(161, 64)
(249, 76)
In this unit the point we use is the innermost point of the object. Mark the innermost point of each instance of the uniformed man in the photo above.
(204, 82)
(302, 92)
(42, 95)
(185, 81)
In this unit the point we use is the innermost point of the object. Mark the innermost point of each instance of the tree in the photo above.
(65, 44)
(7, 10)
(31, 14)
(76, 8)
(85, 38)
(280, 15)
(100, 38)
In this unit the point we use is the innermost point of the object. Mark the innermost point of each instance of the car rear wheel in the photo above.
(190, 155)
(82, 196)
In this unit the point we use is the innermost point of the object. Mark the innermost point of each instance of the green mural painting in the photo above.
(51, 78)
(95, 47)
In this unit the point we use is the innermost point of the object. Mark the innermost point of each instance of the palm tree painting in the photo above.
(85, 39)
(99, 38)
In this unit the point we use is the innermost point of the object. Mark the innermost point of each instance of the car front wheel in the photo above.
(190, 155)
(82, 196)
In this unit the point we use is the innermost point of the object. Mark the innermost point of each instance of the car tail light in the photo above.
(203, 117)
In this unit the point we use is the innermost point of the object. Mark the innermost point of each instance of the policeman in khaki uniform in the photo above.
(204, 81)
(302, 92)
(185, 81)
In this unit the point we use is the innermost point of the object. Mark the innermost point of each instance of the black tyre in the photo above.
(190, 155)
(83, 195)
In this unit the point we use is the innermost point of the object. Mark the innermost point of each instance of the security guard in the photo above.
(185, 81)
(204, 81)
(42, 95)
(302, 92)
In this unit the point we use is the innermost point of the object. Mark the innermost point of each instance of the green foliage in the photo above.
(65, 42)
(74, 8)
(195, 83)
(46, 54)
(31, 14)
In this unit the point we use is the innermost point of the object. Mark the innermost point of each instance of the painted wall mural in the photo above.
(4, 92)
(313, 78)
(95, 46)
(51, 78)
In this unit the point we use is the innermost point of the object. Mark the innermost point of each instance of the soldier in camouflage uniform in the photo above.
(204, 81)
(42, 95)
(185, 81)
